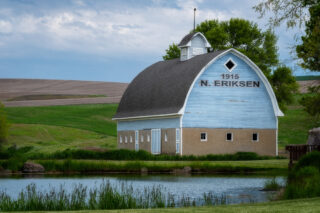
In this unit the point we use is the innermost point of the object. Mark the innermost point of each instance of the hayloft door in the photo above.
(155, 141)
(136, 141)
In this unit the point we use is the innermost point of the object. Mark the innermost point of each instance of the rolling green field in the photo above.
(308, 77)
(299, 205)
(52, 128)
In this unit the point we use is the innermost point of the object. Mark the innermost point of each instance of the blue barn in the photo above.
(202, 103)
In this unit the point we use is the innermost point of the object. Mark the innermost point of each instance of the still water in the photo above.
(237, 189)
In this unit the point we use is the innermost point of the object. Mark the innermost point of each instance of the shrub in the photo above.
(304, 180)
(303, 183)
(311, 159)
(124, 154)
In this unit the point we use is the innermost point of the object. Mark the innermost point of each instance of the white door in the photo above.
(136, 141)
(155, 141)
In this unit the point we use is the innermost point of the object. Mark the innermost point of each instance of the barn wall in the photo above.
(216, 141)
(215, 106)
(167, 147)
(149, 124)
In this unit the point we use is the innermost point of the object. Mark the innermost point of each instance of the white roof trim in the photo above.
(207, 43)
(198, 33)
(265, 81)
(148, 117)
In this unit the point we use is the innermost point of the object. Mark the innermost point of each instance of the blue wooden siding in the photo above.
(229, 107)
(149, 124)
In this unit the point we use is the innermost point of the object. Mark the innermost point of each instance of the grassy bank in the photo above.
(48, 139)
(299, 205)
(277, 166)
(94, 117)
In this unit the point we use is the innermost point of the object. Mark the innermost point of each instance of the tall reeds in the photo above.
(104, 196)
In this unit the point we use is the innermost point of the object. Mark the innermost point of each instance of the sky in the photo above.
(109, 40)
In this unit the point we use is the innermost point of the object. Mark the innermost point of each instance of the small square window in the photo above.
(203, 136)
(255, 137)
(229, 136)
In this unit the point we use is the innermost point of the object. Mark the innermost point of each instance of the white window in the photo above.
(184, 51)
(130, 139)
(177, 147)
(197, 51)
(148, 138)
(136, 136)
(203, 136)
(120, 139)
(126, 139)
(165, 137)
(177, 135)
(255, 137)
(229, 136)
(141, 138)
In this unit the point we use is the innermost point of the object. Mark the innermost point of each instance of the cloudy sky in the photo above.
(107, 40)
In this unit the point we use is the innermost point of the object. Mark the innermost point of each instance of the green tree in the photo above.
(172, 52)
(4, 126)
(284, 85)
(296, 12)
(311, 104)
(309, 49)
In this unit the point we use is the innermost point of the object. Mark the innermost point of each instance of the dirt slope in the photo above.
(12, 88)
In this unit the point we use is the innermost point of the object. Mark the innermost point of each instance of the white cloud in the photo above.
(5, 27)
(128, 30)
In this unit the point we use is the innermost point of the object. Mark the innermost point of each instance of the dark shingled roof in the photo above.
(186, 39)
(162, 87)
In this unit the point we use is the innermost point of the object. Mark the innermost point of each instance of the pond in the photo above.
(236, 189)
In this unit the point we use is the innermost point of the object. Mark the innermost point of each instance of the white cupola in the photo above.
(193, 44)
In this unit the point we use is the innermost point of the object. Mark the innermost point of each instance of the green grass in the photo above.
(298, 205)
(48, 139)
(294, 125)
(164, 166)
(94, 117)
(308, 77)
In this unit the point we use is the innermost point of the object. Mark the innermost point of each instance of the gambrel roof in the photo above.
(162, 89)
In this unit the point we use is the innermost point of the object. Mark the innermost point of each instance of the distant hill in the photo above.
(38, 92)
(308, 77)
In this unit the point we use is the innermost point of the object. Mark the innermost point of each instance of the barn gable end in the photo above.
(223, 99)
